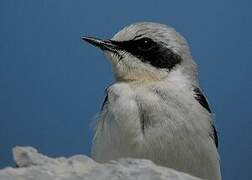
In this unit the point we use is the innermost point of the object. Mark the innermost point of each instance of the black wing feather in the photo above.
(201, 99)
(105, 101)
(199, 96)
(215, 136)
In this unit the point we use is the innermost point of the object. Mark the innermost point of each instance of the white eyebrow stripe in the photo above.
(138, 36)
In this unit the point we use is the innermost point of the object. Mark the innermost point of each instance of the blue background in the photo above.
(52, 84)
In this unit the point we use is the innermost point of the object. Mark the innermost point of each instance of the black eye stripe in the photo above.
(152, 52)
(144, 45)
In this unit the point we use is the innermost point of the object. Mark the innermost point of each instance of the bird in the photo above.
(155, 108)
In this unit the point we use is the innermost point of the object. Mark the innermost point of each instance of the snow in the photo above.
(32, 165)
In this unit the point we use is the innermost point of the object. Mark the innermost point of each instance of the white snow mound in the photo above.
(32, 165)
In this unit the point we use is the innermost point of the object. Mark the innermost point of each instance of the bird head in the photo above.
(146, 52)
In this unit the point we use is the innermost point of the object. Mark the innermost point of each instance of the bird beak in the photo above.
(102, 44)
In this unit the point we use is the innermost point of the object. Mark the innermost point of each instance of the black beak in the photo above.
(102, 44)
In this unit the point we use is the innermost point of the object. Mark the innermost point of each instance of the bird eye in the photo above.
(145, 44)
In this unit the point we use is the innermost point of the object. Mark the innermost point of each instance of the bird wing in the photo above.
(199, 96)
(105, 101)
